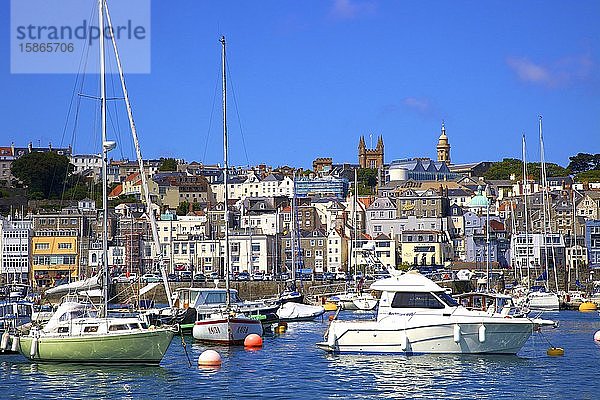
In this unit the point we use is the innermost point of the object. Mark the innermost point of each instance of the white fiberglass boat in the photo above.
(417, 316)
(542, 301)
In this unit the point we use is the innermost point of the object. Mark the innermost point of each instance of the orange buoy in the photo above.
(331, 317)
(253, 340)
(209, 358)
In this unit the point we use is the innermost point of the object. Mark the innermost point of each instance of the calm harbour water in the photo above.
(289, 366)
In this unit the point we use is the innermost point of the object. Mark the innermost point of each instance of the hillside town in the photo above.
(416, 212)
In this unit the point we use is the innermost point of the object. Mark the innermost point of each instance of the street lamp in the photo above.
(480, 201)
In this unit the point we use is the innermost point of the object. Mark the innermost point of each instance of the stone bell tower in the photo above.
(443, 147)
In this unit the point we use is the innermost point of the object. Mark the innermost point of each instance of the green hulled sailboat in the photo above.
(82, 332)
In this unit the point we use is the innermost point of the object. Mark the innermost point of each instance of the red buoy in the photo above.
(253, 341)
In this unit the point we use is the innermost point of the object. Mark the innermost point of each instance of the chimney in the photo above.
(50, 146)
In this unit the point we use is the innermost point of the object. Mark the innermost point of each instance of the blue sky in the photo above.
(310, 77)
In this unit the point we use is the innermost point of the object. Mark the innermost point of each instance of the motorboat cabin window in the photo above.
(90, 329)
(416, 300)
(449, 300)
(24, 310)
(63, 329)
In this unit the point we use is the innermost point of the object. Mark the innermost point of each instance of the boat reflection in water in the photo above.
(416, 316)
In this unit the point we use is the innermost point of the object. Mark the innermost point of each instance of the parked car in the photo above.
(258, 276)
(341, 276)
(185, 276)
(199, 278)
(284, 276)
(214, 275)
(268, 277)
(126, 278)
(243, 276)
(172, 278)
(150, 278)
(328, 276)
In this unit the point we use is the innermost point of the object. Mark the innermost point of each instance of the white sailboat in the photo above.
(79, 332)
(226, 326)
(354, 298)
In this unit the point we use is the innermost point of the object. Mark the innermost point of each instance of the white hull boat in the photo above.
(226, 328)
(354, 301)
(543, 301)
(417, 316)
(299, 312)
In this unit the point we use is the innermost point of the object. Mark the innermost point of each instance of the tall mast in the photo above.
(104, 160)
(140, 160)
(526, 212)
(225, 171)
(543, 179)
(293, 229)
(354, 255)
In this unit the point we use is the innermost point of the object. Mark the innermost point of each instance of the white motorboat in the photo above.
(417, 316)
(196, 304)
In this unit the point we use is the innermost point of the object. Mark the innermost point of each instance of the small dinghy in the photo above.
(299, 312)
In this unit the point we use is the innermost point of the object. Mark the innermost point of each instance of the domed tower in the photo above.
(443, 147)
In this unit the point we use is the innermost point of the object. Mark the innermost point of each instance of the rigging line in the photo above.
(79, 79)
(237, 111)
(212, 111)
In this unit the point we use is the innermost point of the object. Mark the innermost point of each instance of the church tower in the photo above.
(443, 147)
(370, 158)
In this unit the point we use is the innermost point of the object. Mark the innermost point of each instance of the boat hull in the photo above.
(226, 330)
(497, 337)
(545, 301)
(146, 347)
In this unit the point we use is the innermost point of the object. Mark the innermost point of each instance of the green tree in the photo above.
(367, 180)
(183, 208)
(583, 162)
(168, 164)
(588, 176)
(512, 166)
(44, 173)
(504, 169)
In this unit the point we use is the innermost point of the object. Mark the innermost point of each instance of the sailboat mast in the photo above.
(104, 160)
(526, 212)
(225, 171)
(544, 221)
(354, 255)
(138, 153)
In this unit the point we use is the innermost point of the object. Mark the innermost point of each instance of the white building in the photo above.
(15, 239)
(89, 164)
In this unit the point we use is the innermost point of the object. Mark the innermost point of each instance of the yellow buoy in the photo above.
(329, 306)
(587, 306)
(280, 329)
(555, 351)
